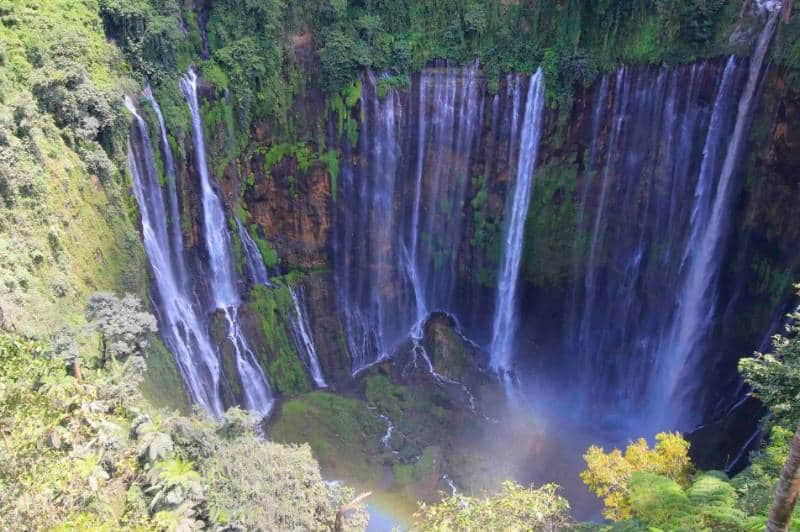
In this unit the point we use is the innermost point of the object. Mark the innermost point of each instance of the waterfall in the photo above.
(257, 394)
(505, 321)
(698, 295)
(303, 339)
(181, 328)
(386, 439)
(215, 225)
(174, 218)
(254, 262)
(656, 202)
(400, 218)
(658, 152)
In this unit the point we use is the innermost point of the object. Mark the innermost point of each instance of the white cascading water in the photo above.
(183, 332)
(256, 390)
(179, 260)
(303, 339)
(254, 263)
(395, 248)
(505, 321)
(300, 329)
(699, 289)
(386, 439)
(621, 107)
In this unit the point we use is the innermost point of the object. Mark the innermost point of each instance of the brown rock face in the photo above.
(293, 208)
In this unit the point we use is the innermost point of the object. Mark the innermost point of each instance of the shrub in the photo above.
(259, 485)
(514, 508)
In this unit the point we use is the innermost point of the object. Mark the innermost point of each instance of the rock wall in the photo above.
(292, 202)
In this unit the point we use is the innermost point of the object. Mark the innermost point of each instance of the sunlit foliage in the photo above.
(607, 474)
(514, 507)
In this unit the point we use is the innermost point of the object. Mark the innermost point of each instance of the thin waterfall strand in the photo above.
(505, 319)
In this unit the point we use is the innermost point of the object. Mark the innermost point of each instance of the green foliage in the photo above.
(342, 104)
(551, 228)
(756, 484)
(90, 454)
(59, 453)
(150, 35)
(391, 399)
(513, 508)
(224, 145)
(296, 496)
(304, 158)
(423, 418)
(387, 83)
(710, 503)
(607, 475)
(65, 229)
(331, 161)
(123, 325)
(162, 385)
(654, 490)
(572, 40)
(247, 44)
(775, 377)
(276, 153)
(278, 355)
(405, 474)
(268, 253)
(487, 234)
(658, 501)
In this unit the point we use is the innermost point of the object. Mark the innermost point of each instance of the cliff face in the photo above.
(65, 224)
(290, 197)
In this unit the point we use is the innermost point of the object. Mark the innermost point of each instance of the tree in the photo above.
(514, 508)
(775, 379)
(607, 474)
(123, 325)
(780, 515)
(261, 485)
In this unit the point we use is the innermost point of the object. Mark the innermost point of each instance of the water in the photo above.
(654, 219)
(695, 305)
(225, 295)
(658, 140)
(400, 214)
(179, 261)
(505, 317)
(677, 357)
(386, 439)
(303, 338)
(184, 333)
(215, 225)
(254, 262)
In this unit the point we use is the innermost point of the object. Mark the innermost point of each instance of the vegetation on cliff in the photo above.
(65, 224)
(278, 354)
(86, 451)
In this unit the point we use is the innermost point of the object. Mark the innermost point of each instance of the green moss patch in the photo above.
(553, 239)
(162, 385)
(343, 433)
(278, 355)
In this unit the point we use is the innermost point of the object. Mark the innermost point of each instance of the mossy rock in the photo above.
(344, 434)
